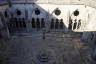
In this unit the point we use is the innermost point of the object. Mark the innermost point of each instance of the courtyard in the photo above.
(56, 48)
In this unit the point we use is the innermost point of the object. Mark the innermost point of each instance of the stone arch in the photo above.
(20, 23)
(6, 14)
(16, 23)
(61, 24)
(23, 22)
(76, 12)
(75, 24)
(33, 23)
(37, 23)
(18, 12)
(52, 24)
(57, 24)
(37, 11)
(57, 11)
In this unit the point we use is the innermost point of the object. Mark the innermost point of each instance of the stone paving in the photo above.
(55, 49)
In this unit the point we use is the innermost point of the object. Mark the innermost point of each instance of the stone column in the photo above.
(72, 25)
(77, 25)
(28, 25)
(27, 21)
(47, 25)
(4, 28)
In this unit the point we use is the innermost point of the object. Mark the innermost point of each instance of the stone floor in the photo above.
(56, 48)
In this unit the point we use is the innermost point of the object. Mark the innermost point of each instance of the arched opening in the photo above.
(57, 12)
(42, 23)
(37, 23)
(37, 11)
(61, 24)
(18, 12)
(76, 13)
(23, 22)
(52, 24)
(0, 35)
(6, 14)
(16, 23)
(20, 23)
(75, 24)
(33, 23)
(56, 24)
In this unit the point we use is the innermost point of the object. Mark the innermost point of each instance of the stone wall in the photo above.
(47, 12)
(86, 14)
